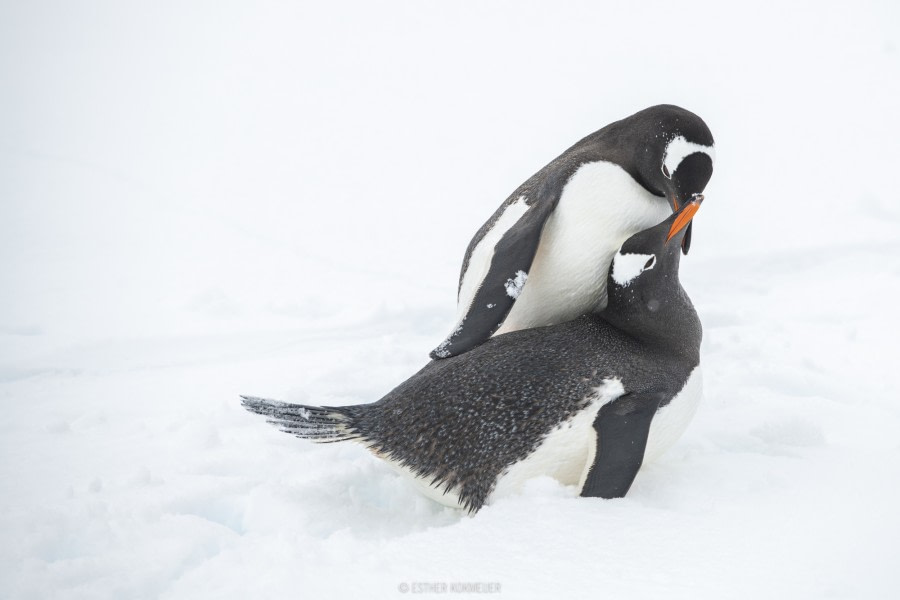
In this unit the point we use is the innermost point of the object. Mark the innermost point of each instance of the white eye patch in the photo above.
(679, 149)
(628, 266)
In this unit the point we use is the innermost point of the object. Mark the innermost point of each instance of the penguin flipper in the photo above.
(622, 428)
(507, 275)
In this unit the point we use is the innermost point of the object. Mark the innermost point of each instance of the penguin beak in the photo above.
(684, 219)
(676, 206)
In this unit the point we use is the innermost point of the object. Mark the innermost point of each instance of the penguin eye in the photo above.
(650, 262)
(665, 171)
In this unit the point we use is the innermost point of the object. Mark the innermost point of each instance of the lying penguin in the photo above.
(586, 401)
(542, 257)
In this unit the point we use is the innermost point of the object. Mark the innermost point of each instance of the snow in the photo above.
(515, 284)
(200, 200)
(442, 349)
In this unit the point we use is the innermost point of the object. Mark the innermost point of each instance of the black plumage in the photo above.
(462, 422)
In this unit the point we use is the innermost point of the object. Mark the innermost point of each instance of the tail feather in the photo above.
(315, 423)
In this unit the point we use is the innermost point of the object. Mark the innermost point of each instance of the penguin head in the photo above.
(643, 277)
(645, 297)
(673, 154)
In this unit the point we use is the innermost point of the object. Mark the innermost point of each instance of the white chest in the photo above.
(600, 207)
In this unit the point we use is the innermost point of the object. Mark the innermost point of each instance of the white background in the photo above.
(201, 199)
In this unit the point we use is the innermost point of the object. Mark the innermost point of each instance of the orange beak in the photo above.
(684, 217)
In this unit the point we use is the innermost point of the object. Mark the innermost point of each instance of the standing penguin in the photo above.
(541, 258)
(583, 401)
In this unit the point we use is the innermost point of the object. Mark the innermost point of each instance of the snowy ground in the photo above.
(201, 200)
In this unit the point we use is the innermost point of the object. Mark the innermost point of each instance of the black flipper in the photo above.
(622, 428)
(503, 283)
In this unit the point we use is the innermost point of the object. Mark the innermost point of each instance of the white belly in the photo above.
(566, 452)
(601, 206)
(671, 420)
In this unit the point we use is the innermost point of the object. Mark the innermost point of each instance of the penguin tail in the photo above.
(320, 424)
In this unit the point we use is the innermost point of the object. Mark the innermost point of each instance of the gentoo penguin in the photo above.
(541, 258)
(585, 401)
